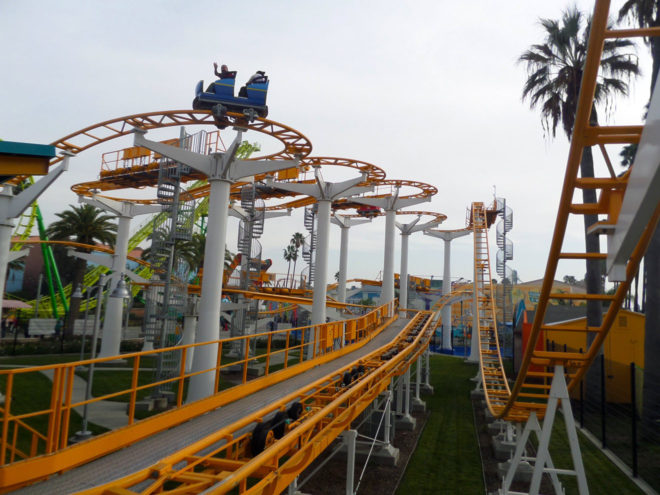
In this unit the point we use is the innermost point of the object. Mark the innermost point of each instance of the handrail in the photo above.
(324, 339)
(331, 409)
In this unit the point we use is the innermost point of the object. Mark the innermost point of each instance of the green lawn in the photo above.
(38, 399)
(602, 475)
(447, 457)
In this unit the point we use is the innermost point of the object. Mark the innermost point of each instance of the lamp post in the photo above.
(88, 292)
(78, 293)
(119, 292)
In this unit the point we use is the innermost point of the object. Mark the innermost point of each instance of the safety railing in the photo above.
(32, 430)
(229, 460)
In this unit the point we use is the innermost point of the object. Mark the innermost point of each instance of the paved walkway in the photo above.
(105, 413)
(148, 451)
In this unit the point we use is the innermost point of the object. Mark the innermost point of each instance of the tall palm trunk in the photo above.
(293, 278)
(288, 270)
(593, 277)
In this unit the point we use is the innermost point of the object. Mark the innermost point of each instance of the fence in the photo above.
(615, 405)
(28, 431)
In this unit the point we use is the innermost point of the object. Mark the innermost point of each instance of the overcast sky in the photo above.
(427, 90)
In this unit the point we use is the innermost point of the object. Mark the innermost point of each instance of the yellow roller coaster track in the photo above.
(531, 389)
(329, 408)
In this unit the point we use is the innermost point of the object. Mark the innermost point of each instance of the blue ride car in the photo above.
(221, 91)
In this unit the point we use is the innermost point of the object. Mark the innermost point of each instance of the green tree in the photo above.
(646, 13)
(289, 254)
(570, 280)
(555, 69)
(297, 241)
(83, 224)
(192, 251)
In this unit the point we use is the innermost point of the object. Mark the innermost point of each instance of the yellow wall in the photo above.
(624, 344)
(530, 293)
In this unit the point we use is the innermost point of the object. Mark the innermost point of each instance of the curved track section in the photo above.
(531, 390)
(294, 143)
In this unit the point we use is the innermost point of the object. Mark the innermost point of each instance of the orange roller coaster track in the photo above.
(530, 393)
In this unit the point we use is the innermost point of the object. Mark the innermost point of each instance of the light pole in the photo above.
(119, 292)
(88, 292)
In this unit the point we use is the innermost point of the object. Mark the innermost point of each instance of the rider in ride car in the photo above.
(257, 77)
(224, 71)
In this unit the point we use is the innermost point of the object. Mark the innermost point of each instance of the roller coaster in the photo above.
(259, 435)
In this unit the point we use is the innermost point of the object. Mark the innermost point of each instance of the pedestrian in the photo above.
(11, 323)
(58, 326)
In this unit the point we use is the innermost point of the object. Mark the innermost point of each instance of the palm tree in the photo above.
(555, 70)
(646, 13)
(297, 241)
(83, 224)
(289, 254)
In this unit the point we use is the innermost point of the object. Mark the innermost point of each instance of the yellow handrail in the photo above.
(353, 331)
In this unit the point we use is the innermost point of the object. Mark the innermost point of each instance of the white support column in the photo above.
(350, 437)
(406, 398)
(6, 229)
(417, 403)
(292, 489)
(403, 275)
(221, 169)
(447, 236)
(325, 193)
(11, 207)
(390, 204)
(406, 230)
(387, 292)
(345, 223)
(387, 411)
(399, 395)
(445, 314)
(403, 418)
(208, 328)
(321, 267)
(111, 341)
(428, 388)
(189, 330)
(343, 265)
(418, 377)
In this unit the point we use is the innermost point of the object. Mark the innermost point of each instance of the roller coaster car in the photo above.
(368, 211)
(222, 92)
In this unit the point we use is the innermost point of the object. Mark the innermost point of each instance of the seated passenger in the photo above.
(257, 77)
(224, 73)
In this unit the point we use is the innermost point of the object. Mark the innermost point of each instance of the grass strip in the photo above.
(447, 456)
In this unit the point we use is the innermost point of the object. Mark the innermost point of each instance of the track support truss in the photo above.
(543, 461)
